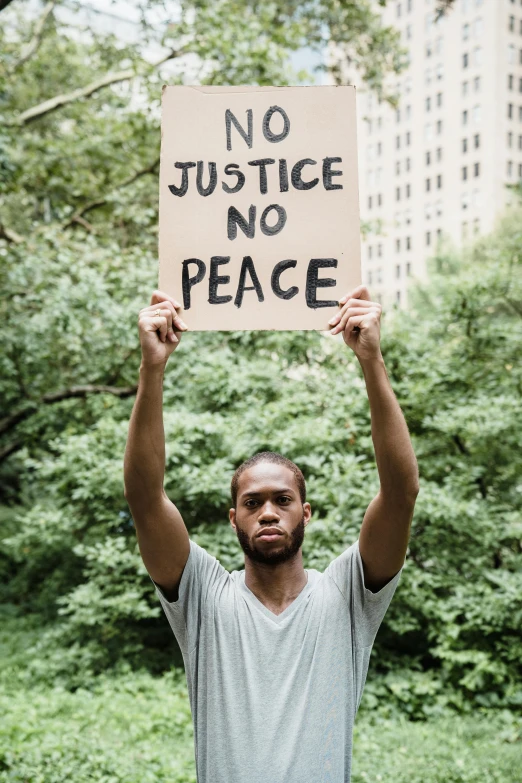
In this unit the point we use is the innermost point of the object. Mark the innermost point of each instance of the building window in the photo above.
(465, 60)
(428, 237)
(399, 9)
(439, 71)
(464, 88)
(510, 81)
(408, 243)
(379, 200)
(428, 50)
(520, 170)
(370, 252)
(477, 55)
(408, 191)
(428, 131)
(477, 114)
(520, 85)
(397, 167)
(428, 185)
(438, 208)
(464, 172)
(397, 194)
(476, 169)
(369, 202)
(379, 251)
(465, 32)
(464, 230)
(510, 139)
(428, 158)
(439, 154)
(464, 145)
(439, 99)
(476, 140)
(464, 201)
(439, 234)
(369, 277)
(408, 32)
(465, 117)
(397, 142)
(408, 138)
(428, 103)
(509, 168)
(408, 164)
(407, 217)
(398, 115)
(439, 181)
(476, 83)
(520, 113)
(478, 27)
(476, 226)
(511, 54)
(427, 75)
(398, 297)
(511, 24)
(397, 245)
(510, 111)
(408, 269)
(439, 126)
(427, 211)
(520, 142)
(410, 4)
(397, 270)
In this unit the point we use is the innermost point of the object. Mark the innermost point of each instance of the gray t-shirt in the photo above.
(274, 697)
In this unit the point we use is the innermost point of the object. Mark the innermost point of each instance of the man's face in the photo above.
(268, 497)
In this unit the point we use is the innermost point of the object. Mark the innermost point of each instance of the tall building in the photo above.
(437, 167)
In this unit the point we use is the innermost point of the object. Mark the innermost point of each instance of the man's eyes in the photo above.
(283, 500)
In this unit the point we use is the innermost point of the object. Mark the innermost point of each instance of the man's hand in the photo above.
(160, 329)
(359, 319)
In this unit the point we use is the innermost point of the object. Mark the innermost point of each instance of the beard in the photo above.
(275, 556)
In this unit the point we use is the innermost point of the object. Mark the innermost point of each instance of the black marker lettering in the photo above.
(184, 179)
(297, 181)
(229, 169)
(248, 266)
(276, 274)
(267, 133)
(269, 231)
(235, 219)
(215, 279)
(283, 175)
(328, 173)
(262, 163)
(313, 282)
(187, 282)
(247, 137)
(212, 179)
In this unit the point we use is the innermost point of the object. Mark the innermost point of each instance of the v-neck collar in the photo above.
(276, 618)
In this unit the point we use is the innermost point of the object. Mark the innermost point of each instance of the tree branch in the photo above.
(36, 40)
(11, 421)
(9, 234)
(85, 92)
(78, 216)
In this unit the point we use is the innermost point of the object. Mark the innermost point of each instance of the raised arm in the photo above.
(162, 536)
(385, 531)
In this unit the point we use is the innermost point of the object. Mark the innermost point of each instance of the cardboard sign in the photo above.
(259, 212)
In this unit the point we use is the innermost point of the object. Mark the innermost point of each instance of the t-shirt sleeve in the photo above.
(367, 608)
(199, 578)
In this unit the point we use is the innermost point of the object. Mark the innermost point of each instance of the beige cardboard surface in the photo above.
(320, 223)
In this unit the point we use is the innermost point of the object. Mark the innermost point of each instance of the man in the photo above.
(276, 656)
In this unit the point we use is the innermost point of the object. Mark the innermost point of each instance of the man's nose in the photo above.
(269, 513)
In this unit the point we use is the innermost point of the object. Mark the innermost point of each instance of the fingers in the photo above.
(353, 307)
(348, 320)
(361, 292)
(160, 297)
(166, 309)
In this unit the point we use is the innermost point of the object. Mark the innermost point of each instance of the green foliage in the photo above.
(71, 292)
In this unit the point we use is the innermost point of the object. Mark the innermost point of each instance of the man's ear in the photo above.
(307, 513)
(232, 517)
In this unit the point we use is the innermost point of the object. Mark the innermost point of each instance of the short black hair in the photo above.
(268, 456)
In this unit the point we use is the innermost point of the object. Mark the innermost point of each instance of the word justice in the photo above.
(294, 176)
(194, 271)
